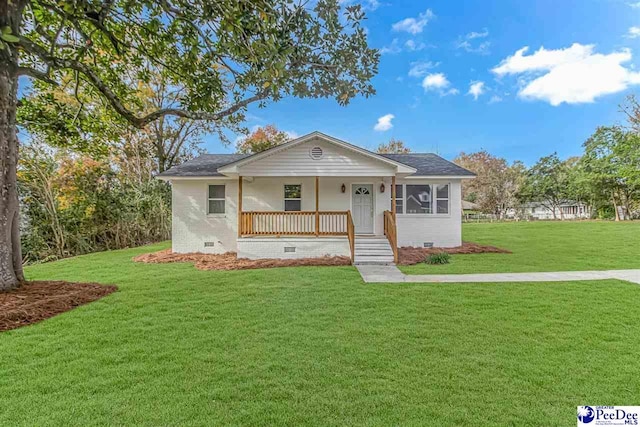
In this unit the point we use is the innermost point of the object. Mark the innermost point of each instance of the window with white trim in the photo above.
(399, 199)
(442, 198)
(292, 197)
(419, 199)
(216, 202)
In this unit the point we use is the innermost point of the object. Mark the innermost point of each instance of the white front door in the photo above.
(363, 208)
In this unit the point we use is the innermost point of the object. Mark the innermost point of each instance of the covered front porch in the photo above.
(355, 207)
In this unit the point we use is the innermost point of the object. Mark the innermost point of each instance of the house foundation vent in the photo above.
(289, 249)
(209, 244)
(428, 244)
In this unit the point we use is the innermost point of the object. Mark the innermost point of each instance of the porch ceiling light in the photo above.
(382, 187)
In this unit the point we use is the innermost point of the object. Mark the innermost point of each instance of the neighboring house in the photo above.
(468, 207)
(315, 195)
(536, 210)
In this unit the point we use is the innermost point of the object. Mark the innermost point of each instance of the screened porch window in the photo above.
(422, 199)
(419, 199)
(293, 197)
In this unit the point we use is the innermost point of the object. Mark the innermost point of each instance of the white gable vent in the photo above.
(316, 153)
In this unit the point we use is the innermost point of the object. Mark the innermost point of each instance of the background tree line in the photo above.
(606, 176)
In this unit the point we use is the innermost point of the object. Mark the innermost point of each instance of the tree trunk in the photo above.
(615, 207)
(10, 253)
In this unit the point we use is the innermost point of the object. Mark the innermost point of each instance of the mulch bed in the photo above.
(36, 301)
(230, 261)
(411, 256)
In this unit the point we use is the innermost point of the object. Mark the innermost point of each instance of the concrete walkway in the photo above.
(391, 274)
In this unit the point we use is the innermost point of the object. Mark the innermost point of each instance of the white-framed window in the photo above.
(216, 201)
(292, 197)
(423, 199)
(419, 199)
(442, 198)
(399, 199)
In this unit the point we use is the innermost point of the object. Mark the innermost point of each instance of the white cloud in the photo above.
(292, 134)
(469, 42)
(438, 82)
(476, 89)
(370, 5)
(414, 25)
(635, 5)
(633, 32)
(573, 75)
(412, 45)
(419, 69)
(384, 123)
(495, 99)
(477, 35)
(543, 59)
(393, 48)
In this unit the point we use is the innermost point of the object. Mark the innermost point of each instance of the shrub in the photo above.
(438, 258)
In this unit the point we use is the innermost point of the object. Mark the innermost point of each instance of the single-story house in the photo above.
(537, 210)
(468, 206)
(315, 195)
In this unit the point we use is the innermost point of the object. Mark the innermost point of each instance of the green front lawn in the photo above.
(317, 346)
(545, 246)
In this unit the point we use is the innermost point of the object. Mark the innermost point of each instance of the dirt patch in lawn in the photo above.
(36, 301)
(230, 261)
(411, 256)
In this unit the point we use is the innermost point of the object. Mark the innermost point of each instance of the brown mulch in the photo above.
(411, 256)
(36, 301)
(230, 260)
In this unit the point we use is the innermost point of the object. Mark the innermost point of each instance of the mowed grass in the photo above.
(317, 346)
(545, 246)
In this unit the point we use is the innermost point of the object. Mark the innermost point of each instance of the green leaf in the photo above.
(9, 38)
(7, 30)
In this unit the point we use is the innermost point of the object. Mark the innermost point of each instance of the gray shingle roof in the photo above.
(425, 163)
(429, 164)
(204, 165)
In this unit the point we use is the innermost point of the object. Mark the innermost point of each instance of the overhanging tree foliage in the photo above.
(226, 54)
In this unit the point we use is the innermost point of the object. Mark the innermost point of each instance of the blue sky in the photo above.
(528, 104)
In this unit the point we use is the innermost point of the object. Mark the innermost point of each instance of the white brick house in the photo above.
(314, 196)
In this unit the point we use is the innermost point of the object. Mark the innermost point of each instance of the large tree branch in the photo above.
(36, 74)
(115, 102)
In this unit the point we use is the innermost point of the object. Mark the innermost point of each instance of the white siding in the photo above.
(192, 227)
(443, 231)
(336, 161)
